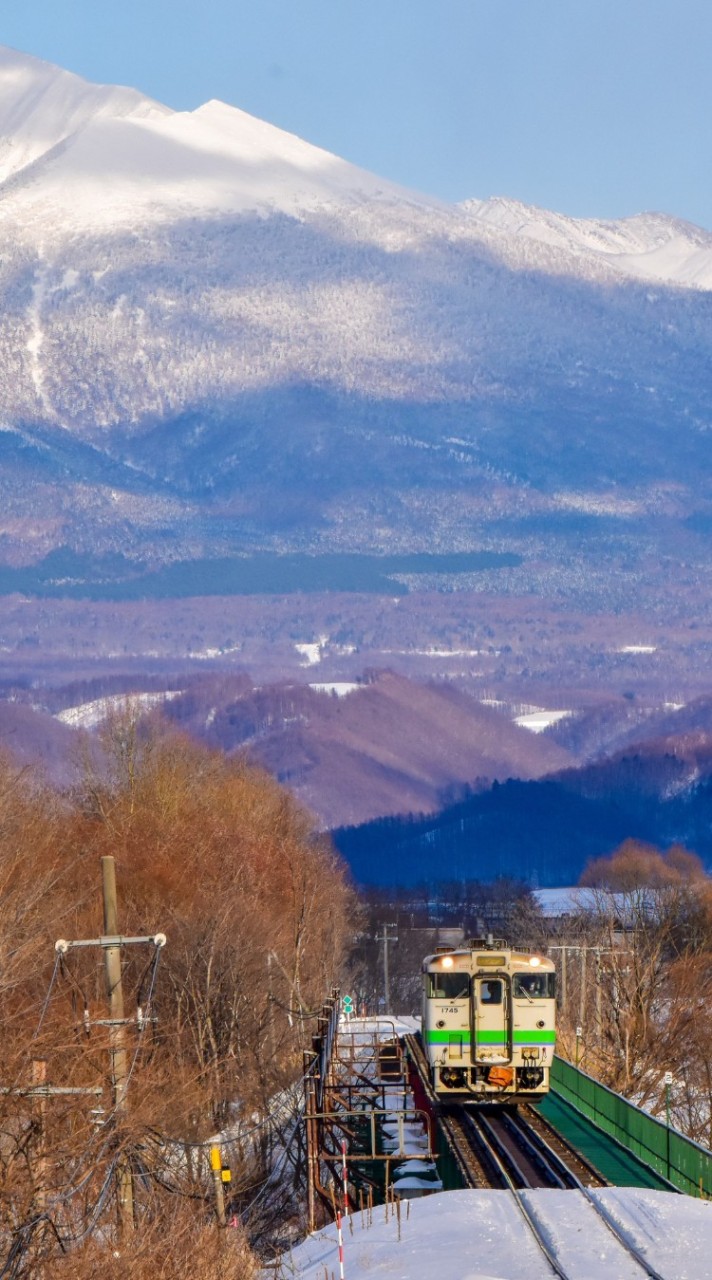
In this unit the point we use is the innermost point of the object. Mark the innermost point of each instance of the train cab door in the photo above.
(491, 999)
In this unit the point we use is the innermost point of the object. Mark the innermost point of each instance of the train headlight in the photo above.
(534, 961)
(447, 962)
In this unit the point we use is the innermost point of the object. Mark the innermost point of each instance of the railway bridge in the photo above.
(375, 1129)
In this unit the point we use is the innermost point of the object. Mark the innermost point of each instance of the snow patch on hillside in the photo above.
(87, 715)
(541, 719)
(340, 688)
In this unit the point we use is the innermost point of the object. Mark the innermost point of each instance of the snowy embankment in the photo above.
(481, 1235)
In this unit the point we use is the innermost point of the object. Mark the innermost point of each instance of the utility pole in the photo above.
(117, 1039)
(582, 984)
(39, 1083)
(563, 980)
(111, 943)
(38, 1091)
(312, 1139)
(386, 975)
(667, 1080)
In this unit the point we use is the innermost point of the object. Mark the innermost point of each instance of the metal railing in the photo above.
(686, 1164)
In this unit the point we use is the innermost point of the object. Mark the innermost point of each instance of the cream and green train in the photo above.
(489, 1022)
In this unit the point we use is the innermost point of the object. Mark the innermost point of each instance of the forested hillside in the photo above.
(355, 751)
(541, 831)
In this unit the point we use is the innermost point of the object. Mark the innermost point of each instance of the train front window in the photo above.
(448, 986)
(491, 991)
(535, 986)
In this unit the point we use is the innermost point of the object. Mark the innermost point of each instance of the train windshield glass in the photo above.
(535, 986)
(448, 986)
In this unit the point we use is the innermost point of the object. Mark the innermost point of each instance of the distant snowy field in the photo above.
(480, 1235)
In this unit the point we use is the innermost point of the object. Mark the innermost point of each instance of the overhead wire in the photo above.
(24, 1234)
(57, 963)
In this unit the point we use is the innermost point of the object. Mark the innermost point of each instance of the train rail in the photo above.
(514, 1148)
(518, 1152)
(501, 1147)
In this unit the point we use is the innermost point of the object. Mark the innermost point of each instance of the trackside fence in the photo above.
(684, 1163)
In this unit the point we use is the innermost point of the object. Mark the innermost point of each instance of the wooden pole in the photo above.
(313, 1151)
(117, 1040)
(582, 990)
(39, 1105)
(563, 981)
(599, 1018)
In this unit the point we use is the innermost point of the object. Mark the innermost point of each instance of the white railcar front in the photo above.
(489, 1022)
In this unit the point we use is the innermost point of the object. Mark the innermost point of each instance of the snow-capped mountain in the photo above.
(650, 246)
(215, 335)
(43, 107)
(103, 158)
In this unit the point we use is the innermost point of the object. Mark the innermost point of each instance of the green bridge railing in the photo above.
(684, 1163)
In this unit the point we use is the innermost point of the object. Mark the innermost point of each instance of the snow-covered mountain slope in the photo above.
(211, 329)
(102, 157)
(42, 106)
(650, 246)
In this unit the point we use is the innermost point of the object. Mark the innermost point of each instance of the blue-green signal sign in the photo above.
(347, 1004)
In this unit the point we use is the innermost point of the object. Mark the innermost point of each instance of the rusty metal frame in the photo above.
(336, 1104)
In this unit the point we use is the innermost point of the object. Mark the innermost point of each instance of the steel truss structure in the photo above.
(355, 1111)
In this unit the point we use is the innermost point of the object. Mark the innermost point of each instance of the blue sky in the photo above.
(592, 109)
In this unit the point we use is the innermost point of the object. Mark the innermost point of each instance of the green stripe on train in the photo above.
(491, 1037)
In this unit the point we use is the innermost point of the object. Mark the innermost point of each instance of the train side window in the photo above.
(448, 986)
(491, 991)
(535, 986)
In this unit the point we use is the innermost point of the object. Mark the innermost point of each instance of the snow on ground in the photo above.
(89, 714)
(386, 1026)
(456, 1235)
(538, 721)
(339, 687)
(558, 902)
(535, 719)
(310, 652)
(481, 1235)
(673, 1232)
(578, 1237)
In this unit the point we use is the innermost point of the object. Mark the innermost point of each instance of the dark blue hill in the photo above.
(541, 832)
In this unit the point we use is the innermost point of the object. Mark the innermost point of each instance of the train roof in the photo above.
(490, 950)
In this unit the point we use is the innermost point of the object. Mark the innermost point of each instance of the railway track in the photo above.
(518, 1151)
(507, 1147)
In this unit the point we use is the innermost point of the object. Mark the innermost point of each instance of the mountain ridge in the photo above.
(61, 129)
(648, 246)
